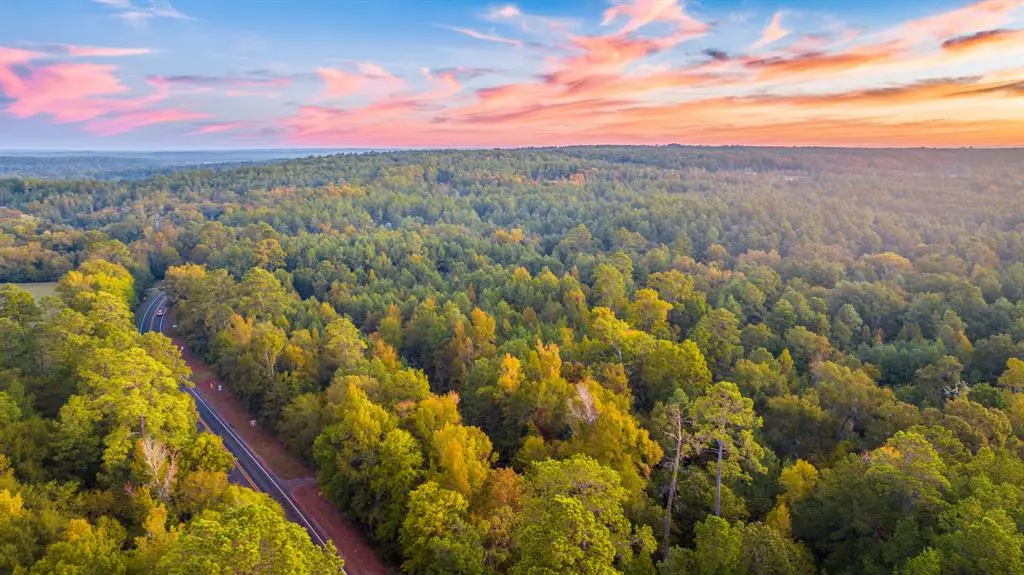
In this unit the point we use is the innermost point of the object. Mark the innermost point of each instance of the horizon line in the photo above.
(24, 151)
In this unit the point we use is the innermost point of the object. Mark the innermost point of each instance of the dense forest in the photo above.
(134, 165)
(102, 469)
(630, 360)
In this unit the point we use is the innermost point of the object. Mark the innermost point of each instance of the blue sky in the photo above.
(142, 74)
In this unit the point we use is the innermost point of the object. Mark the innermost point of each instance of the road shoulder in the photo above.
(298, 479)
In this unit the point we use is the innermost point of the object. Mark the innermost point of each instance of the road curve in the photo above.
(248, 465)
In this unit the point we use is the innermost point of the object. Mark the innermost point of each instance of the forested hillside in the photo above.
(579, 360)
(133, 165)
(102, 467)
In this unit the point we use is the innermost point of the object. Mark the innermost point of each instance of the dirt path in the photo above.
(299, 480)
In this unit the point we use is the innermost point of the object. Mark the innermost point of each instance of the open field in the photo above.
(38, 290)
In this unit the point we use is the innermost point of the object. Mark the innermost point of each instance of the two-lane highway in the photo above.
(255, 474)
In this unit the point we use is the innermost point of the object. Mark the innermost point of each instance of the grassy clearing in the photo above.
(38, 290)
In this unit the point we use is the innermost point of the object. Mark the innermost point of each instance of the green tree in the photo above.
(248, 539)
(85, 550)
(609, 287)
(717, 334)
(343, 347)
(573, 521)
(263, 297)
(725, 421)
(1013, 378)
(724, 549)
(436, 536)
(367, 465)
(649, 313)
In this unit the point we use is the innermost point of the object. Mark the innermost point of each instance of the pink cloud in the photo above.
(249, 94)
(371, 78)
(338, 83)
(632, 84)
(216, 128)
(102, 52)
(808, 43)
(640, 13)
(374, 72)
(68, 92)
(606, 88)
(134, 120)
(773, 33)
(443, 85)
(983, 15)
(313, 122)
(9, 56)
(72, 92)
(506, 12)
(589, 82)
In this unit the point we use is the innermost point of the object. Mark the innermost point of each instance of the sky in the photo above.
(221, 74)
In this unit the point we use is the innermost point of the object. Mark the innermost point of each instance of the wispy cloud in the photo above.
(10, 56)
(101, 52)
(612, 88)
(629, 73)
(772, 33)
(77, 51)
(821, 62)
(134, 120)
(985, 39)
(975, 17)
(141, 14)
(216, 128)
(483, 35)
(640, 13)
(227, 81)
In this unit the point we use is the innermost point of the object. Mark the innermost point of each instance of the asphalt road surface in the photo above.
(249, 471)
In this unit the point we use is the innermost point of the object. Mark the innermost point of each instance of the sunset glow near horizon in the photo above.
(150, 74)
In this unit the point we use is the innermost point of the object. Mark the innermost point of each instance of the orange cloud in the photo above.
(986, 39)
(602, 55)
(773, 33)
(633, 84)
(607, 88)
(820, 62)
(944, 112)
(983, 15)
(914, 94)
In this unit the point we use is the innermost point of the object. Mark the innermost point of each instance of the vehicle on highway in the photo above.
(160, 312)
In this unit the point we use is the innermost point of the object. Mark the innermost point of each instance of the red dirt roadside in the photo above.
(299, 480)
